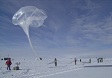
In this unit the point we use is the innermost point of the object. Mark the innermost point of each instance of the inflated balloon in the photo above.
(29, 16)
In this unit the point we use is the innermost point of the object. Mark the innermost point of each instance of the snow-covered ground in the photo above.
(32, 68)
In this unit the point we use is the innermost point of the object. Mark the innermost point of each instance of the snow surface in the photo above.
(31, 68)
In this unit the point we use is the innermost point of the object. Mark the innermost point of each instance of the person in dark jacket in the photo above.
(89, 60)
(55, 61)
(8, 63)
(75, 60)
(80, 60)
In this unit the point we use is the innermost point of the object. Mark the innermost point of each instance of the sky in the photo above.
(72, 28)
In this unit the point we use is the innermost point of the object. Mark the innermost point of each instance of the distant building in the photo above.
(5, 58)
(100, 60)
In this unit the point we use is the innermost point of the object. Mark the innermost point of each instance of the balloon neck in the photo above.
(26, 29)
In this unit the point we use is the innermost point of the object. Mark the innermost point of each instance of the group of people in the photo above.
(8, 62)
(75, 60)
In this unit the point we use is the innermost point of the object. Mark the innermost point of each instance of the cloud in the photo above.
(91, 26)
(86, 29)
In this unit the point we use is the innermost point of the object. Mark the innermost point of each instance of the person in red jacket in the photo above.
(8, 63)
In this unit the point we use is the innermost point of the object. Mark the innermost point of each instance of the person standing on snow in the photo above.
(75, 60)
(8, 63)
(55, 61)
(89, 60)
(80, 60)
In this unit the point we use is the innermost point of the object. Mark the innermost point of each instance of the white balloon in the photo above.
(29, 16)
